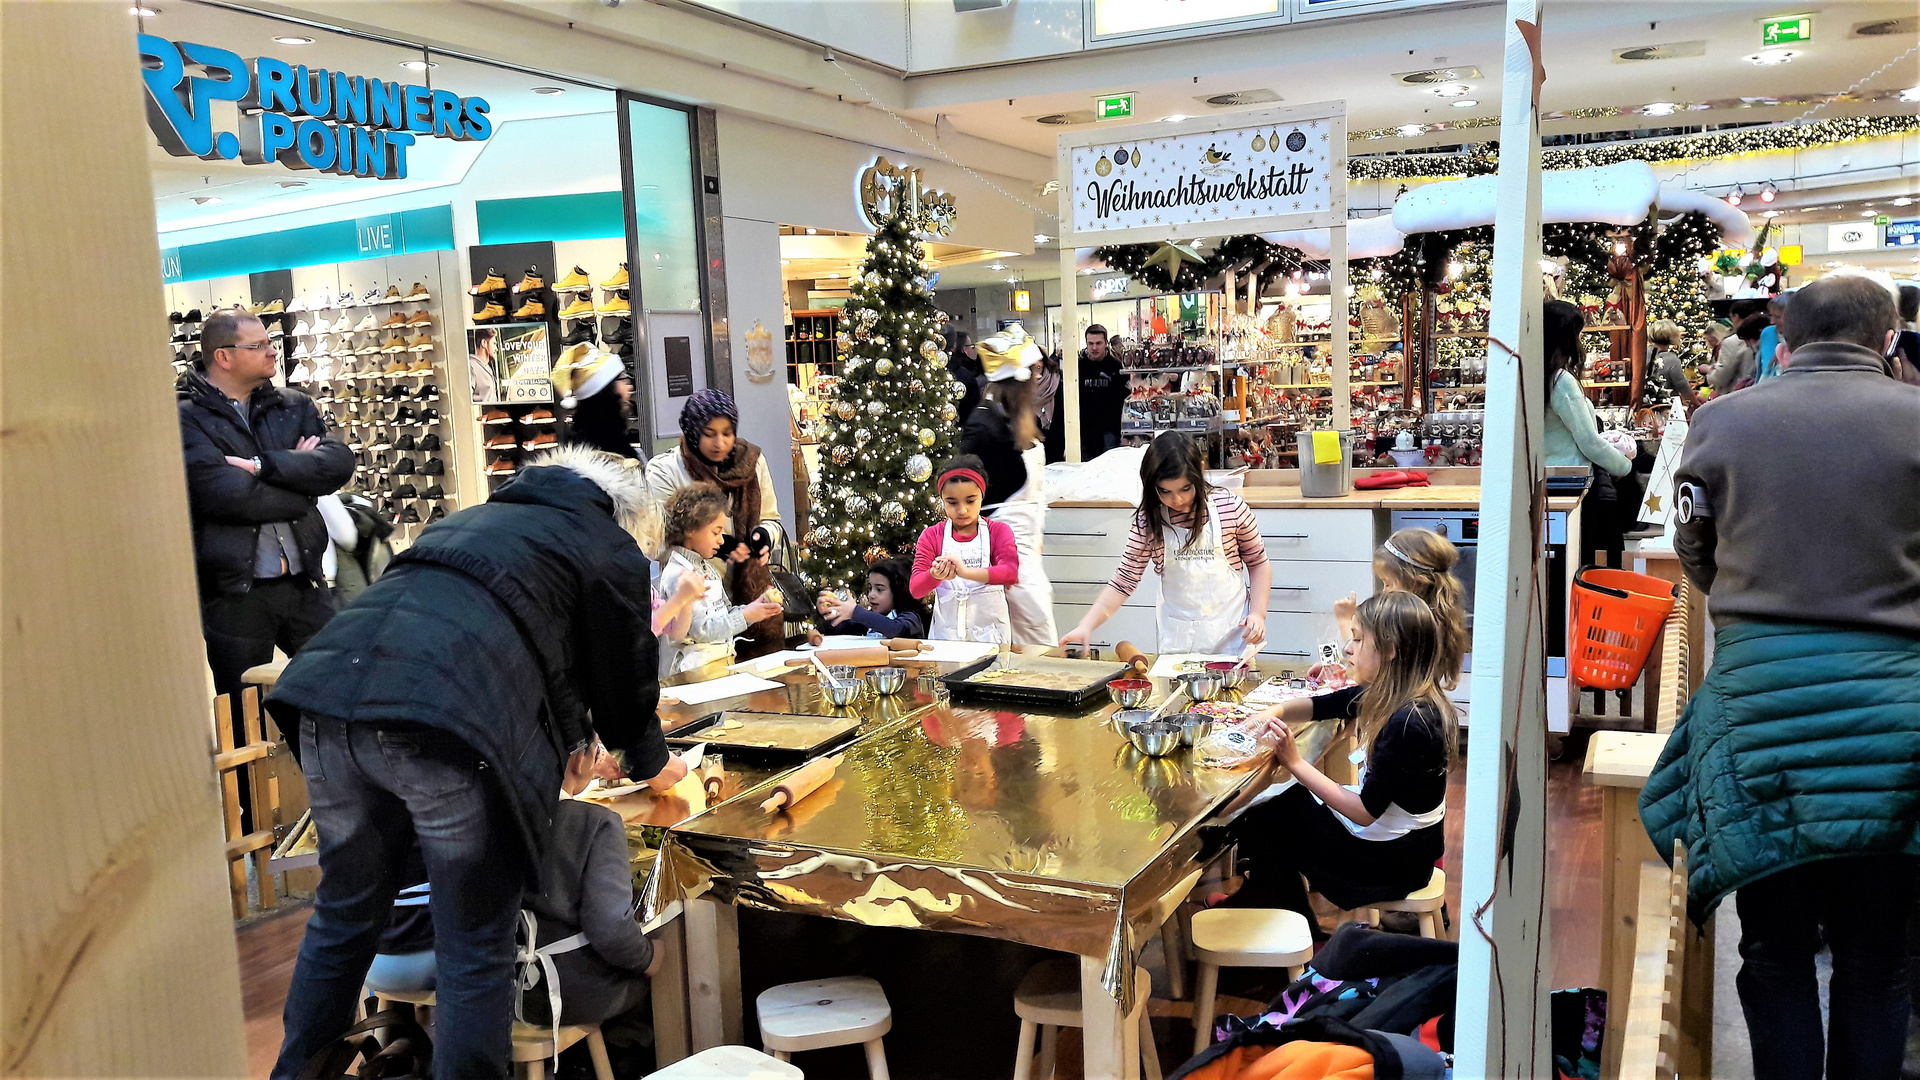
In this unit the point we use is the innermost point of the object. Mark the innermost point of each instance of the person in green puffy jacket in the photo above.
(1793, 778)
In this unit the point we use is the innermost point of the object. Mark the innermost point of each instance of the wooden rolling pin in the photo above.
(908, 645)
(1130, 654)
(799, 784)
(864, 656)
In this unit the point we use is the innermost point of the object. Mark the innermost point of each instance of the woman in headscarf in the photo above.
(712, 451)
(1004, 433)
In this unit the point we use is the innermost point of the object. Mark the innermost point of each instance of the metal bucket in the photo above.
(1325, 481)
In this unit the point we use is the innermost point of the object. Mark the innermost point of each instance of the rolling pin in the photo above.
(908, 645)
(799, 784)
(861, 656)
(1130, 654)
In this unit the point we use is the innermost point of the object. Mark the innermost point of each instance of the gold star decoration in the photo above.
(1170, 256)
(1653, 504)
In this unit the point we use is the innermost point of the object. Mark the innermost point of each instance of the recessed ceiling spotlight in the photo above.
(418, 65)
(1041, 238)
(996, 266)
(1450, 90)
(550, 91)
(1770, 57)
(1903, 201)
(139, 12)
(292, 39)
(292, 183)
(1734, 197)
(1464, 103)
(1410, 130)
(1013, 281)
(1173, 118)
(1911, 93)
(1768, 192)
(1868, 213)
(1659, 108)
(1770, 214)
(206, 200)
(811, 230)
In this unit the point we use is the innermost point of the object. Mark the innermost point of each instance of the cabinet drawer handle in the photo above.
(1278, 653)
(1292, 588)
(1284, 536)
(1065, 581)
(1050, 532)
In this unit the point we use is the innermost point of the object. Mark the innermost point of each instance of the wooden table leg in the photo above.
(713, 974)
(1111, 1044)
(1624, 846)
(672, 1032)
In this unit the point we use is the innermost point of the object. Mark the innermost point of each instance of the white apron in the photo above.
(687, 654)
(1393, 822)
(1203, 599)
(968, 610)
(1030, 601)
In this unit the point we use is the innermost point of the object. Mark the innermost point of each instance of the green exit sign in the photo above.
(1883, 219)
(1113, 107)
(1786, 30)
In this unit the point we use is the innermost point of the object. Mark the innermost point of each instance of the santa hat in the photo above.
(583, 371)
(1009, 354)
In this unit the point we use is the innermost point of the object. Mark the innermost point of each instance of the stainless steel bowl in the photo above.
(844, 673)
(1194, 727)
(887, 680)
(1203, 685)
(1157, 738)
(1125, 719)
(842, 694)
(1131, 693)
(1233, 676)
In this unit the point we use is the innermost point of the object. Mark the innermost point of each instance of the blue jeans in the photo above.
(373, 789)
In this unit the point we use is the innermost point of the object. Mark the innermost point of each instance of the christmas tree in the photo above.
(891, 417)
(1680, 294)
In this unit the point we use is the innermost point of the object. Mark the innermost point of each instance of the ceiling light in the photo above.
(1733, 197)
(1173, 118)
(1041, 238)
(1768, 192)
(1903, 201)
(1464, 103)
(1013, 281)
(1770, 214)
(1770, 57)
(206, 200)
(833, 275)
(1659, 108)
(293, 39)
(1911, 93)
(656, 256)
(418, 65)
(139, 12)
(1868, 213)
(550, 91)
(1450, 89)
(1410, 130)
(784, 262)
(292, 183)
(996, 266)
(811, 230)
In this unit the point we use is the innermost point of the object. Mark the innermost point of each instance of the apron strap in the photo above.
(535, 963)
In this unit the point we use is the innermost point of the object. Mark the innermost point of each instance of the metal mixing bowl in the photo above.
(842, 694)
(1157, 738)
(1131, 693)
(1231, 672)
(1203, 685)
(1194, 727)
(887, 680)
(1125, 719)
(844, 673)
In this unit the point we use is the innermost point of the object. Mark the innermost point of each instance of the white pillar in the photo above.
(1069, 335)
(1505, 966)
(1337, 296)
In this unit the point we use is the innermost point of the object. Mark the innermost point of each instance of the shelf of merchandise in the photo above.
(811, 354)
(1606, 385)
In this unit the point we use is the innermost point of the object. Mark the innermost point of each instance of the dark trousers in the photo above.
(242, 629)
(373, 789)
(1861, 905)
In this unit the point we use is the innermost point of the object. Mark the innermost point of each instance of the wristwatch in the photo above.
(256, 465)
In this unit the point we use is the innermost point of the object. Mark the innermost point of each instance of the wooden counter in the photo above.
(1447, 497)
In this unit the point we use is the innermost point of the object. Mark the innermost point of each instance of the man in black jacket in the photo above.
(443, 703)
(257, 457)
(1103, 393)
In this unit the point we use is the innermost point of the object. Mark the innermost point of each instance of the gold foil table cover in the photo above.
(1030, 826)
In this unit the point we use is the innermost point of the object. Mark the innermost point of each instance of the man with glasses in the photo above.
(257, 457)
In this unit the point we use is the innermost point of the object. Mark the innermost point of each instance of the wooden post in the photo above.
(1337, 308)
(1505, 961)
(1069, 333)
(118, 956)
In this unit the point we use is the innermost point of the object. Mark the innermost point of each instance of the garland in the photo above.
(1233, 253)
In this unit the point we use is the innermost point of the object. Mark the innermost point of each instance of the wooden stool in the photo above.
(1243, 937)
(533, 1045)
(826, 1012)
(728, 1063)
(422, 1001)
(1424, 903)
(1049, 999)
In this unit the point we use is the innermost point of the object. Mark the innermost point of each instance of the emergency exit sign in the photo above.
(1113, 107)
(1787, 30)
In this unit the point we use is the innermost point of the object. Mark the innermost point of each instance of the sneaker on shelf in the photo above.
(296, 305)
(541, 441)
(394, 344)
(344, 325)
(176, 318)
(491, 313)
(409, 516)
(501, 442)
(398, 318)
(301, 373)
(381, 441)
(401, 415)
(421, 343)
(429, 416)
(615, 305)
(354, 444)
(369, 349)
(438, 513)
(531, 280)
(541, 415)
(532, 309)
(501, 467)
(404, 491)
(192, 316)
(347, 298)
(491, 284)
(404, 467)
(434, 467)
(273, 307)
(371, 322)
(370, 297)
(391, 296)
(423, 365)
(618, 280)
(427, 392)
(276, 332)
(405, 443)
(300, 351)
(397, 367)
(496, 416)
(430, 443)
(301, 329)
(433, 491)
(580, 308)
(423, 317)
(418, 294)
(575, 281)
(323, 372)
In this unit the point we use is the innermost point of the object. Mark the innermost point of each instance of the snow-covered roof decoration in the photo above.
(1367, 238)
(1617, 194)
(1735, 229)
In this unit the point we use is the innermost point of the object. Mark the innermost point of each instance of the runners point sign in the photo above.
(285, 111)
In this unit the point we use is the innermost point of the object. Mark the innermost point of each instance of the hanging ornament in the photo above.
(959, 390)
(941, 358)
(1103, 166)
(940, 319)
(919, 469)
(893, 513)
(915, 385)
(862, 332)
(926, 436)
(844, 340)
(929, 349)
(876, 408)
(857, 505)
(883, 366)
(948, 412)
(842, 454)
(875, 554)
(812, 537)
(844, 410)
(862, 437)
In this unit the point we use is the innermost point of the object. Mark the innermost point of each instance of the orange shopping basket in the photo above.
(1617, 614)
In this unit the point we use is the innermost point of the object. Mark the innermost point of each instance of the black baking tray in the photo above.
(1097, 673)
(826, 732)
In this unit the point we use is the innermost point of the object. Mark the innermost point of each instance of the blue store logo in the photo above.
(285, 111)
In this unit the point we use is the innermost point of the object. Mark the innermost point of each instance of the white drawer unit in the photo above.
(1088, 530)
(1293, 635)
(1078, 579)
(1128, 624)
(1313, 586)
(1317, 535)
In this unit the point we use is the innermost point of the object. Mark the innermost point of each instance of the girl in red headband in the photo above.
(966, 564)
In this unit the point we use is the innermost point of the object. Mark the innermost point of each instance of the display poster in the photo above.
(510, 364)
(1903, 233)
(1204, 178)
(676, 355)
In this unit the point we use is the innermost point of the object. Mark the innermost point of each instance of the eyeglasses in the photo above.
(257, 346)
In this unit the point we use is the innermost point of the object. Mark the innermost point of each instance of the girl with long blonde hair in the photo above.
(1421, 561)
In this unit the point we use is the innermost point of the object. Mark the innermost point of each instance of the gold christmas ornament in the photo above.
(844, 410)
(842, 454)
(948, 412)
(876, 408)
(893, 513)
(883, 366)
(926, 436)
(874, 554)
(929, 348)
(919, 469)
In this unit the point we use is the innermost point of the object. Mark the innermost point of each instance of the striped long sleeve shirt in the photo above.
(1238, 528)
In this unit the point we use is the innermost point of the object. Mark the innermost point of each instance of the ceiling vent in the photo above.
(1064, 119)
(1907, 26)
(1239, 97)
(1660, 52)
(1433, 76)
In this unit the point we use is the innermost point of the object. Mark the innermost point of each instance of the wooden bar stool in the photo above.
(826, 1012)
(1243, 937)
(533, 1045)
(728, 1063)
(422, 1001)
(1049, 999)
(1425, 903)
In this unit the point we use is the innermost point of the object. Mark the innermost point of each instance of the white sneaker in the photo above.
(296, 305)
(371, 322)
(301, 329)
(345, 324)
(322, 301)
(300, 351)
(320, 348)
(301, 373)
(346, 298)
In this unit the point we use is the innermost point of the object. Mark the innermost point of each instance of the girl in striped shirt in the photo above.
(1206, 547)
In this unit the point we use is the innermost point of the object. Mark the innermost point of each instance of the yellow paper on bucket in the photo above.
(1326, 447)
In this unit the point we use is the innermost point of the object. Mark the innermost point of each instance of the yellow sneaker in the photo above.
(494, 283)
(493, 312)
(532, 309)
(423, 343)
(398, 318)
(575, 281)
(530, 280)
(421, 318)
(618, 280)
(394, 344)
(398, 367)
(581, 308)
(419, 293)
(391, 296)
(422, 366)
(615, 305)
